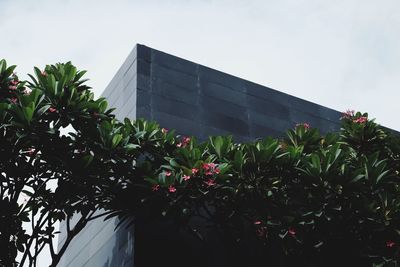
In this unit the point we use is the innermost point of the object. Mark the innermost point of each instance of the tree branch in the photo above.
(70, 235)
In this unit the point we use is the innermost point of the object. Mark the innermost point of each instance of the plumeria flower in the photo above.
(292, 231)
(52, 110)
(304, 124)
(257, 222)
(361, 120)
(30, 151)
(210, 168)
(195, 171)
(262, 231)
(167, 173)
(390, 243)
(27, 91)
(348, 114)
(12, 87)
(155, 187)
(14, 82)
(185, 177)
(185, 141)
(172, 189)
(210, 182)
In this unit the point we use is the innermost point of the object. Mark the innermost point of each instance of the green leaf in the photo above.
(3, 66)
(9, 71)
(20, 247)
(173, 163)
(103, 106)
(238, 160)
(217, 143)
(382, 175)
(87, 160)
(42, 110)
(28, 112)
(316, 162)
(357, 178)
(131, 147)
(116, 140)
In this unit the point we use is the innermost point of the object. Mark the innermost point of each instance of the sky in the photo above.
(340, 54)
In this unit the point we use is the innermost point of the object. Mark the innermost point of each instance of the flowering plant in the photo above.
(314, 199)
(305, 199)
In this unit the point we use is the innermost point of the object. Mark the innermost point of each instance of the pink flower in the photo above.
(30, 151)
(210, 168)
(155, 187)
(257, 222)
(304, 124)
(262, 231)
(210, 182)
(205, 166)
(51, 110)
(14, 100)
(348, 114)
(27, 91)
(163, 130)
(172, 189)
(361, 120)
(12, 87)
(390, 243)
(185, 177)
(14, 82)
(167, 173)
(185, 141)
(195, 171)
(292, 231)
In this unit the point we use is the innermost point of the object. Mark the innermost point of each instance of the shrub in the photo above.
(317, 200)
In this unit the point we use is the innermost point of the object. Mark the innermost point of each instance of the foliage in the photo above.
(47, 175)
(308, 197)
(312, 198)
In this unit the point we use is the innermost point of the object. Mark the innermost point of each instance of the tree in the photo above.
(307, 198)
(47, 176)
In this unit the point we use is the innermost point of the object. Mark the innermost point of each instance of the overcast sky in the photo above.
(341, 54)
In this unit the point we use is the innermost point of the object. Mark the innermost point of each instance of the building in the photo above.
(194, 100)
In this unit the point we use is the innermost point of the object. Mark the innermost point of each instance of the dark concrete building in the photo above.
(193, 100)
